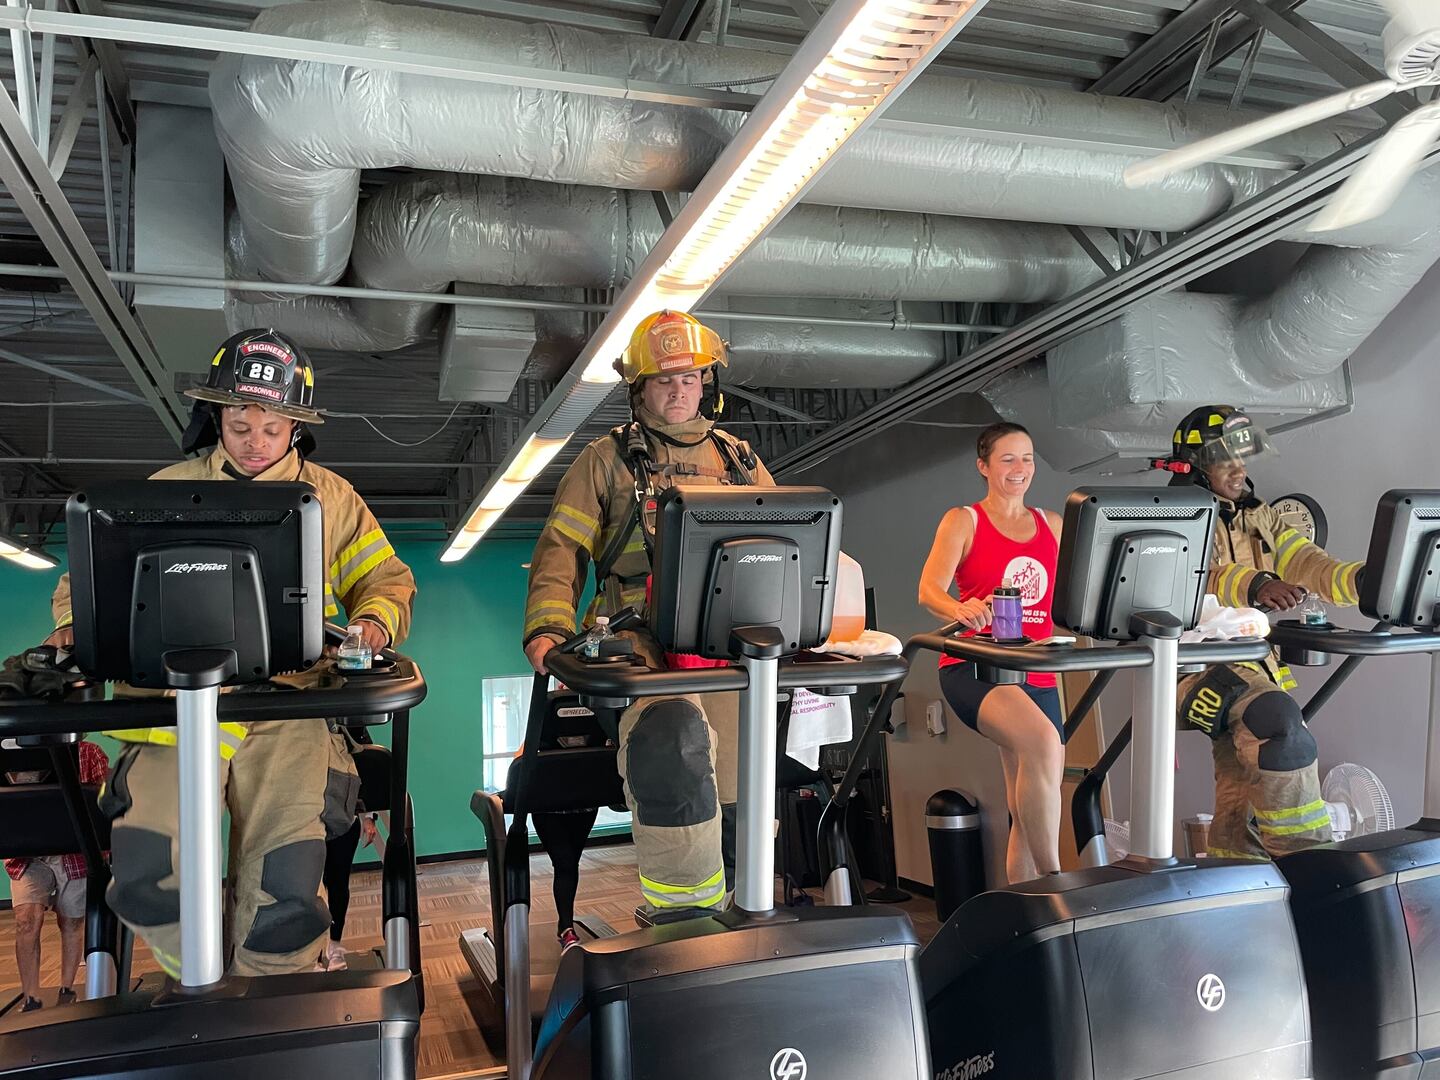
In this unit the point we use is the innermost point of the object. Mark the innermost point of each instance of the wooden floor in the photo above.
(453, 897)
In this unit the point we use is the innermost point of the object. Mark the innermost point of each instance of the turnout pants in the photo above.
(1267, 781)
(288, 785)
(677, 757)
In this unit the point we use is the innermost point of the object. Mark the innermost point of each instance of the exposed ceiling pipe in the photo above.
(1123, 385)
(426, 232)
(296, 135)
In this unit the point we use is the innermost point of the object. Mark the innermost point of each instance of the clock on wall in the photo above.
(1303, 514)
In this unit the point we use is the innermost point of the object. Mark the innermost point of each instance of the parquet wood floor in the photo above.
(453, 897)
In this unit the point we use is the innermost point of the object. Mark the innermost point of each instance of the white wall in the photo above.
(897, 485)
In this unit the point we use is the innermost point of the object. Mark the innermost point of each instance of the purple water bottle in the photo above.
(1007, 613)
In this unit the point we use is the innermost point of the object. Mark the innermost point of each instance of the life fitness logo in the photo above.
(970, 1069)
(788, 1064)
(1211, 992)
(1030, 577)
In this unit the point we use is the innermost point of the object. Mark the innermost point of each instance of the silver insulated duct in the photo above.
(533, 189)
(296, 135)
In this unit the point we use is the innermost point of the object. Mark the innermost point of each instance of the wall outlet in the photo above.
(935, 718)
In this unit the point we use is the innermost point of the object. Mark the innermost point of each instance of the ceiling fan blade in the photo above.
(1375, 185)
(1248, 135)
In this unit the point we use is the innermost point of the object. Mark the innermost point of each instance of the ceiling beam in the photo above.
(1180, 33)
(676, 18)
(117, 82)
(71, 376)
(1164, 65)
(1345, 67)
(26, 175)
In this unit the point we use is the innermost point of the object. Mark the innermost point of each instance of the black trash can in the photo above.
(957, 863)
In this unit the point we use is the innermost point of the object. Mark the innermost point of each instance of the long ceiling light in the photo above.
(24, 556)
(856, 60)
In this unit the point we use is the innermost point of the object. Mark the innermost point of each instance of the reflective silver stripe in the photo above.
(958, 821)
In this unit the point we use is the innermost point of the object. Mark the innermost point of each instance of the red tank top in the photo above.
(1030, 566)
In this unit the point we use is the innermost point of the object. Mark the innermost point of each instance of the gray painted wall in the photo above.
(897, 486)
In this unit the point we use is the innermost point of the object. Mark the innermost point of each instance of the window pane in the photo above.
(505, 701)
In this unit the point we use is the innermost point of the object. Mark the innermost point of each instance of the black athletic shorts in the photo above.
(965, 692)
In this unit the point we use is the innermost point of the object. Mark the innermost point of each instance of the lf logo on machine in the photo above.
(1211, 992)
(788, 1064)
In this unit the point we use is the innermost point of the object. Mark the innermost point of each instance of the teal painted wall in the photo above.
(468, 617)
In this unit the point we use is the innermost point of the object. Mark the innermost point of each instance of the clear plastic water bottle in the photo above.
(354, 654)
(1312, 611)
(590, 648)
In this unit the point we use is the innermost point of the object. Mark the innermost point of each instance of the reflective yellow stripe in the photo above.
(1293, 830)
(1287, 545)
(1227, 588)
(1226, 853)
(1341, 591)
(153, 736)
(231, 736)
(1285, 678)
(374, 559)
(387, 611)
(565, 529)
(593, 524)
(576, 525)
(65, 620)
(169, 964)
(331, 610)
(550, 613)
(634, 546)
(1351, 579)
(708, 893)
(1290, 811)
(353, 550)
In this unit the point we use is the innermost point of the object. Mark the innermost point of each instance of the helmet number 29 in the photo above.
(257, 371)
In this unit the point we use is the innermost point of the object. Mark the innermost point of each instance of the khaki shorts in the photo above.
(44, 883)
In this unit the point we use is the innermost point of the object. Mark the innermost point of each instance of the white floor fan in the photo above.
(1412, 60)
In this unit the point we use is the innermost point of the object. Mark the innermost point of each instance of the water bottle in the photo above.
(1312, 611)
(590, 648)
(1007, 613)
(354, 652)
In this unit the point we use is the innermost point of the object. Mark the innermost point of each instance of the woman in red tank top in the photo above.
(1000, 540)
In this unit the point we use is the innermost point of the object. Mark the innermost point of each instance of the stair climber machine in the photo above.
(1367, 909)
(1153, 967)
(744, 575)
(565, 772)
(248, 604)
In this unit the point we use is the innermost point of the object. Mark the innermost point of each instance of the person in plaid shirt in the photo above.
(52, 881)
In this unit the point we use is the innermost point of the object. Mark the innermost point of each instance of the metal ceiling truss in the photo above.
(26, 175)
(1166, 63)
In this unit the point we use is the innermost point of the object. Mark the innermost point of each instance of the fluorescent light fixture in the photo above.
(24, 556)
(875, 50)
(857, 58)
(537, 453)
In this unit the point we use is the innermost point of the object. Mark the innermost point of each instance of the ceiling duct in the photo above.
(537, 189)
(1123, 386)
(296, 134)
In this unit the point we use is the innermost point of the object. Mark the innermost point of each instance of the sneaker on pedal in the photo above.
(335, 956)
(568, 939)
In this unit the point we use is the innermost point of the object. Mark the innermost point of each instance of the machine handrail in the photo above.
(623, 679)
(367, 695)
(1339, 641)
